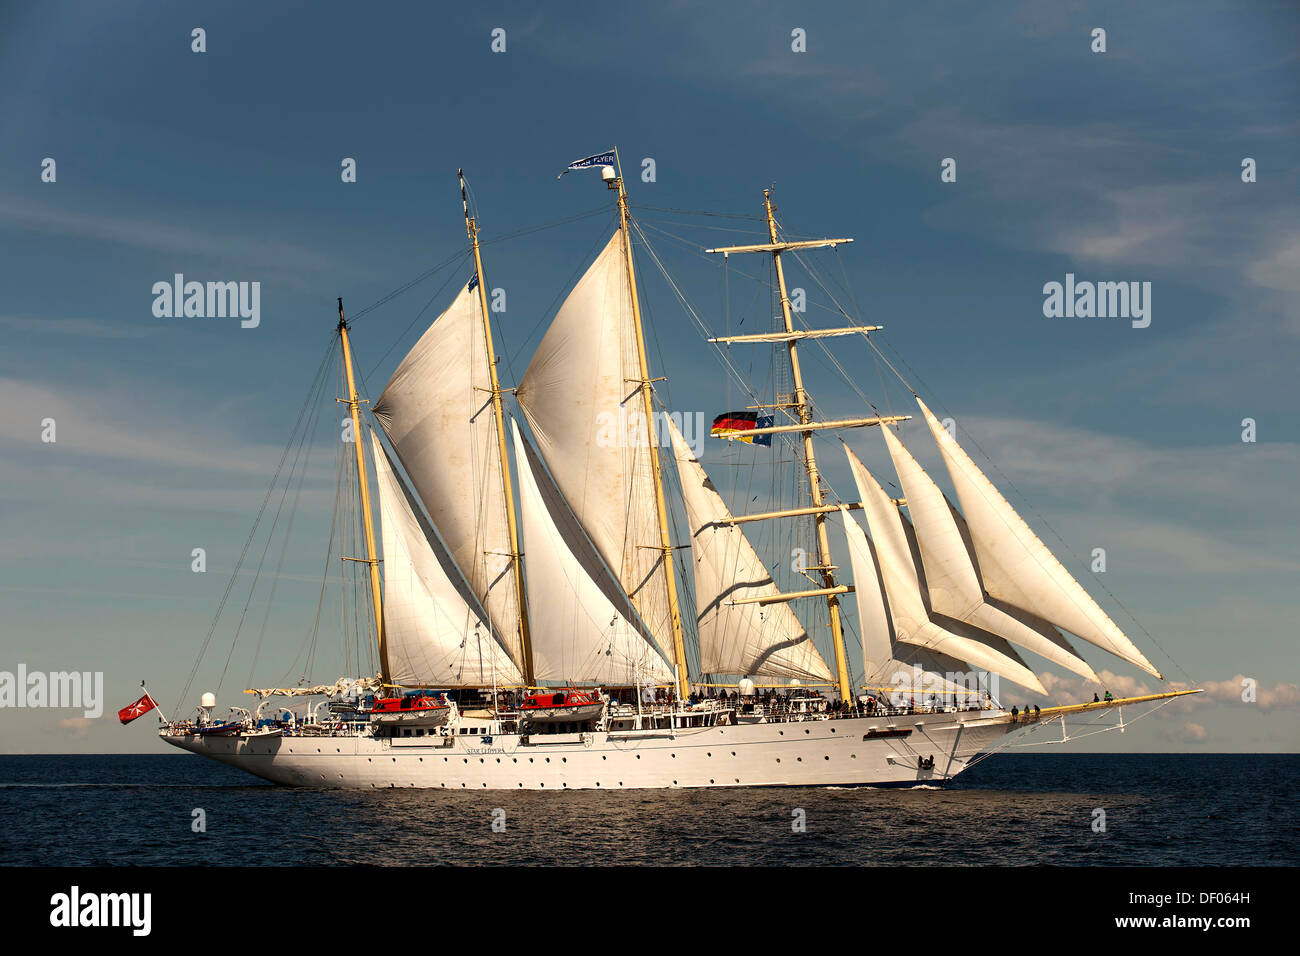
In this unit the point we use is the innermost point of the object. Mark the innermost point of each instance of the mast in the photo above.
(647, 397)
(810, 462)
(372, 559)
(498, 414)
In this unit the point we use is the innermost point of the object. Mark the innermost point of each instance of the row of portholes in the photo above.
(541, 786)
(564, 760)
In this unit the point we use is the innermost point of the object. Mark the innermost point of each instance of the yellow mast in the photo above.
(372, 559)
(810, 462)
(516, 558)
(647, 397)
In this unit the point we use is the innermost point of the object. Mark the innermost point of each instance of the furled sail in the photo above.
(950, 577)
(912, 624)
(584, 630)
(437, 412)
(750, 639)
(886, 662)
(1016, 567)
(580, 396)
(434, 632)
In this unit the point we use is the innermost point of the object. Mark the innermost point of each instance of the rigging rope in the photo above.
(234, 574)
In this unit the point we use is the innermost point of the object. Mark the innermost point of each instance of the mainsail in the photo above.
(580, 397)
(435, 634)
(1016, 567)
(751, 639)
(584, 630)
(437, 412)
(912, 623)
(950, 577)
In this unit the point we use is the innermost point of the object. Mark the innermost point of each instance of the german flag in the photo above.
(736, 423)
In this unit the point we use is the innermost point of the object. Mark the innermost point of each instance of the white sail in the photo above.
(437, 412)
(581, 397)
(583, 628)
(885, 662)
(1016, 567)
(950, 578)
(750, 639)
(873, 616)
(434, 634)
(912, 624)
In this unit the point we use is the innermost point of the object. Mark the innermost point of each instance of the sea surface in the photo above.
(1015, 809)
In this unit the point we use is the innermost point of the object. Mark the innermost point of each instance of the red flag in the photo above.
(139, 708)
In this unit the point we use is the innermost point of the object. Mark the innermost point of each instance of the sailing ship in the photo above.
(530, 626)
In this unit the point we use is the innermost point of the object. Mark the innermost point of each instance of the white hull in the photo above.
(799, 753)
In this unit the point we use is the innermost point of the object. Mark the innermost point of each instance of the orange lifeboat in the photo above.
(561, 706)
(413, 710)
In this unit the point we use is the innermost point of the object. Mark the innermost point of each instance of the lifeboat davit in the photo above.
(413, 710)
(561, 706)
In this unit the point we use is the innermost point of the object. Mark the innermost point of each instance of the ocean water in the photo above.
(1021, 809)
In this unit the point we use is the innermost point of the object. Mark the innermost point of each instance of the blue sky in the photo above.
(225, 166)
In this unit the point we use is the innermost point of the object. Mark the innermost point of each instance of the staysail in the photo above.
(434, 633)
(584, 630)
(884, 662)
(950, 577)
(437, 412)
(749, 639)
(580, 397)
(912, 623)
(1014, 564)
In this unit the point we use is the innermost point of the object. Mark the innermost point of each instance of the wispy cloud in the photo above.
(245, 247)
(83, 328)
